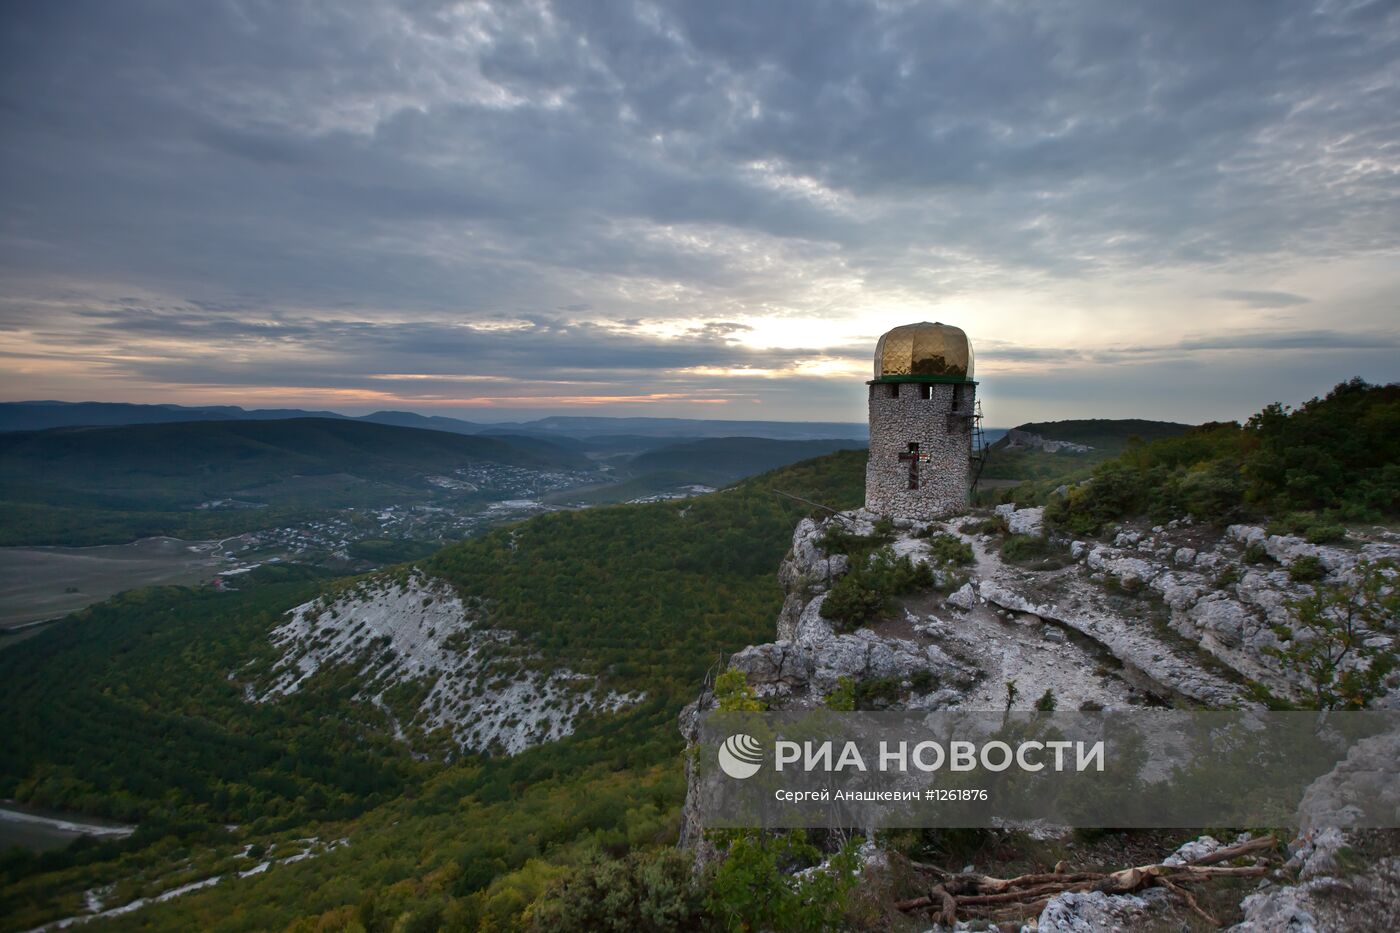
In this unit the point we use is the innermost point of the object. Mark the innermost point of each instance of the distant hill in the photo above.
(589, 426)
(1106, 437)
(1103, 433)
(1311, 470)
(40, 415)
(410, 419)
(181, 464)
(725, 459)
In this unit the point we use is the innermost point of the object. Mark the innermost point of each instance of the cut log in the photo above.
(982, 896)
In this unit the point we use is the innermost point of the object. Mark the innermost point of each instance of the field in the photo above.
(46, 582)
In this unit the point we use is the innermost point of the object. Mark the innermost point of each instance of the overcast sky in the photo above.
(1178, 210)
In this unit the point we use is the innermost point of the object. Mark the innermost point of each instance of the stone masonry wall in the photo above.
(894, 422)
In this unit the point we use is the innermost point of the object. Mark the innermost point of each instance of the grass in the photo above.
(1034, 552)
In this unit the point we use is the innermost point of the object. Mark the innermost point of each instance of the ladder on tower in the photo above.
(979, 446)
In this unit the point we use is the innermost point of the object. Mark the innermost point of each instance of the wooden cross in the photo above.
(913, 459)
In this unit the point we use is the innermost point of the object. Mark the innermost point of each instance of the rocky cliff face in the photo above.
(1016, 439)
(430, 664)
(1167, 614)
(1173, 612)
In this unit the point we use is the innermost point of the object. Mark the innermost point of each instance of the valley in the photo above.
(477, 727)
(340, 495)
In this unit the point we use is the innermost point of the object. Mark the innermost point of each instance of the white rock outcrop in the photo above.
(418, 633)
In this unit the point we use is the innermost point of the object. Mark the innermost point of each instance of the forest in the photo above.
(1332, 460)
(128, 710)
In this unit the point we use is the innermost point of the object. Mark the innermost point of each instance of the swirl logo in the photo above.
(740, 756)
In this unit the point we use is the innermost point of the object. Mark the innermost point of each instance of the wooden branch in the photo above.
(931, 869)
(1262, 844)
(1190, 900)
(1027, 895)
(948, 915)
(1201, 872)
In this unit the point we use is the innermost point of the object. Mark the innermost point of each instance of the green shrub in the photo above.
(853, 601)
(992, 525)
(754, 887)
(950, 550)
(734, 695)
(1033, 551)
(1023, 547)
(878, 692)
(922, 681)
(656, 889)
(1306, 569)
(843, 698)
(1046, 703)
(866, 590)
(840, 539)
(1317, 528)
(1228, 577)
(1323, 532)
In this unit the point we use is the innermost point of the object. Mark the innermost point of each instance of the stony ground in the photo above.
(1164, 615)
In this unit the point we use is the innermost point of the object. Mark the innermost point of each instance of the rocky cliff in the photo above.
(430, 665)
(1016, 439)
(1168, 614)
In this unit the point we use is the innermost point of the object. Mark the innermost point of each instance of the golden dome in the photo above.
(924, 352)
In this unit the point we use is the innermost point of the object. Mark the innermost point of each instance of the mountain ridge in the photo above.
(51, 413)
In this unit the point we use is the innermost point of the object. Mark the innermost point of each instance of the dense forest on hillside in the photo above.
(133, 715)
(725, 459)
(90, 699)
(1107, 437)
(648, 595)
(1331, 460)
(1110, 434)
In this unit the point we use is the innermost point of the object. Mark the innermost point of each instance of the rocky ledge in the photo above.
(1168, 614)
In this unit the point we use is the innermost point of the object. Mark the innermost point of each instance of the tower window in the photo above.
(925, 390)
(959, 398)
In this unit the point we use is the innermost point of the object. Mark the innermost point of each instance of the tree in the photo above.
(734, 695)
(1339, 645)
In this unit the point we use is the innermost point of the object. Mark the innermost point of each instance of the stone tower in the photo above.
(922, 405)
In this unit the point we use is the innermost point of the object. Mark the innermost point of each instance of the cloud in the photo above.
(1296, 340)
(1263, 299)
(494, 189)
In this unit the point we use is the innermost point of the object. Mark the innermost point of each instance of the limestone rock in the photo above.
(1366, 774)
(1280, 909)
(964, 598)
(1196, 848)
(1097, 912)
(1029, 521)
(1016, 439)
(1223, 617)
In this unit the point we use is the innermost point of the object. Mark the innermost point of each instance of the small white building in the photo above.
(923, 409)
